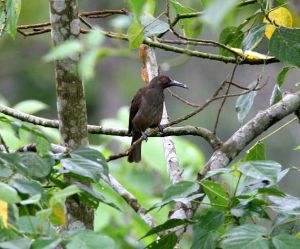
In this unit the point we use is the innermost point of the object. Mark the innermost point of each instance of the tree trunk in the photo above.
(71, 104)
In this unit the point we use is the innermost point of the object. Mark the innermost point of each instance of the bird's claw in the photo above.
(144, 135)
(161, 128)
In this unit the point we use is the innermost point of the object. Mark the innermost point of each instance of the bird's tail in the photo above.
(135, 154)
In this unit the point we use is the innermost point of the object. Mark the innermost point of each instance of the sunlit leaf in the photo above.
(287, 204)
(261, 170)
(30, 106)
(281, 16)
(8, 193)
(58, 215)
(231, 36)
(284, 45)
(153, 26)
(135, 35)
(254, 37)
(13, 8)
(256, 152)
(246, 236)
(64, 50)
(61, 195)
(4, 213)
(216, 11)
(244, 103)
(216, 193)
(95, 37)
(136, 6)
(286, 241)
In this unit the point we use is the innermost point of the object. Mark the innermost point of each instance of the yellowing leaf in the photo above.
(4, 213)
(280, 16)
(251, 55)
(298, 235)
(58, 212)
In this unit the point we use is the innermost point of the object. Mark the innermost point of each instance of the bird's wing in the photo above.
(134, 108)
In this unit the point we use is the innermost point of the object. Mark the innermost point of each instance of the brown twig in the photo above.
(224, 99)
(103, 13)
(183, 100)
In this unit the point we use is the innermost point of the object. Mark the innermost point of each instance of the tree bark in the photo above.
(71, 104)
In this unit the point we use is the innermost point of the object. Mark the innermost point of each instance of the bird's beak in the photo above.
(176, 83)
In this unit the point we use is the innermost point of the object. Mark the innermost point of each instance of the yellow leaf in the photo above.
(251, 55)
(4, 213)
(58, 212)
(281, 16)
(298, 235)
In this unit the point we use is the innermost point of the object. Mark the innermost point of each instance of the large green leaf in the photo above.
(254, 37)
(167, 225)
(166, 242)
(135, 35)
(34, 225)
(284, 45)
(261, 170)
(286, 241)
(61, 195)
(232, 37)
(216, 11)
(13, 8)
(8, 193)
(216, 193)
(36, 166)
(153, 26)
(282, 75)
(244, 103)
(180, 191)
(256, 152)
(247, 236)
(22, 243)
(31, 106)
(87, 239)
(203, 236)
(27, 186)
(287, 205)
(45, 243)
(191, 27)
(136, 6)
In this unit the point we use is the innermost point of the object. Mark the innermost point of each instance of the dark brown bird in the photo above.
(146, 111)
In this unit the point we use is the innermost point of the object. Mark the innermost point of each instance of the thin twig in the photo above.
(183, 100)
(224, 99)
(4, 145)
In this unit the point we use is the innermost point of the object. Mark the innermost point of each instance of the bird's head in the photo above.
(165, 82)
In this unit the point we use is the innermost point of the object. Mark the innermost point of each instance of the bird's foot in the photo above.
(144, 135)
(161, 128)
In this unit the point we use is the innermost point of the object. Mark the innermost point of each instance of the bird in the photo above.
(146, 111)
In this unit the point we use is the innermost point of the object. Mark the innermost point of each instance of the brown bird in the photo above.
(146, 111)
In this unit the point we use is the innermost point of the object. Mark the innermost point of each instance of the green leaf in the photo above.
(153, 26)
(34, 225)
(167, 225)
(203, 236)
(216, 11)
(2, 17)
(247, 237)
(87, 64)
(215, 172)
(232, 37)
(191, 27)
(26, 186)
(256, 152)
(166, 242)
(244, 103)
(283, 73)
(135, 35)
(216, 193)
(13, 8)
(5, 171)
(8, 193)
(95, 37)
(178, 192)
(23, 243)
(285, 224)
(87, 239)
(30, 106)
(136, 6)
(83, 167)
(43, 146)
(45, 243)
(36, 166)
(61, 195)
(276, 95)
(254, 37)
(261, 170)
(287, 205)
(284, 45)
(271, 191)
(64, 50)
(286, 241)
